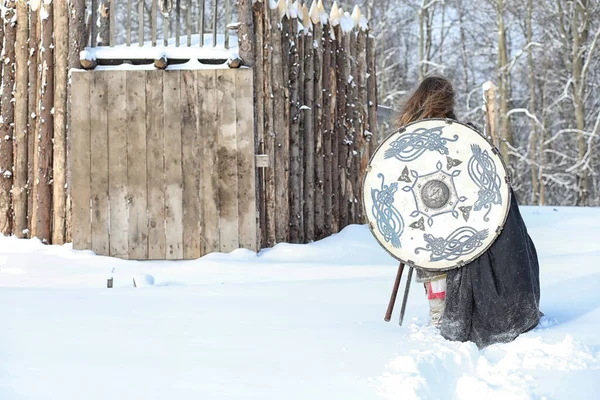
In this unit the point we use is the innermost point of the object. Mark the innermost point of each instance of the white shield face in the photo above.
(436, 194)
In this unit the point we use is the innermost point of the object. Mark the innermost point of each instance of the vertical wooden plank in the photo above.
(333, 123)
(259, 79)
(99, 160)
(246, 163)
(189, 145)
(173, 171)
(117, 163)
(296, 166)
(227, 153)
(155, 165)
(209, 160)
(327, 129)
(136, 165)
(81, 190)
(300, 45)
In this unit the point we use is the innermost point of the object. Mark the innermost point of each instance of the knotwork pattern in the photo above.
(461, 242)
(389, 220)
(482, 170)
(410, 146)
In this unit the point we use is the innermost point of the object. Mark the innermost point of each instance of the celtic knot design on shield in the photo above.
(483, 172)
(410, 146)
(389, 220)
(463, 241)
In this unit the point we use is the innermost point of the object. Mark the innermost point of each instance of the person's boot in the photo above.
(436, 294)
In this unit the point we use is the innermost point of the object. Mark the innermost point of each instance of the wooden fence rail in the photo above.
(163, 163)
(143, 22)
(316, 117)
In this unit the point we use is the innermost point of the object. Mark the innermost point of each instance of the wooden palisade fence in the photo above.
(316, 116)
(315, 99)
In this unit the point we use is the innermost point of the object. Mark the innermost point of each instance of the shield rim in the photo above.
(498, 230)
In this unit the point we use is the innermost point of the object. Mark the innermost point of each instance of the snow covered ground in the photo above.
(293, 322)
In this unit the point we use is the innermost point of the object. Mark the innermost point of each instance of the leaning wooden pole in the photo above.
(42, 186)
(21, 147)
(61, 53)
(7, 121)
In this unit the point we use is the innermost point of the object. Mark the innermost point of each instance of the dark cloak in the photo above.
(496, 297)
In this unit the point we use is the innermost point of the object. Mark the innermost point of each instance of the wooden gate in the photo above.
(163, 162)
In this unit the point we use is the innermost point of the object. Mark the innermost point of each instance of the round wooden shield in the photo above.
(436, 194)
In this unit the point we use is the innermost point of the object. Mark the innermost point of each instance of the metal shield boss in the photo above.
(436, 194)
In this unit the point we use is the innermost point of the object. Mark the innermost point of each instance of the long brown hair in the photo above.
(433, 98)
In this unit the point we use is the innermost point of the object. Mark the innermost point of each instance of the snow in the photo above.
(183, 52)
(293, 322)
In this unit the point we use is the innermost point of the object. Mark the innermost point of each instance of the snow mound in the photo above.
(437, 368)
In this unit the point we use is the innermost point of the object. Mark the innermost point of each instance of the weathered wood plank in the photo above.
(209, 160)
(99, 160)
(246, 163)
(136, 165)
(340, 137)
(80, 128)
(173, 166)
(372, 125)
(227, 153)
(117, 163)
(335, 178)
(155, 165)
(191, 180)
(300, 45)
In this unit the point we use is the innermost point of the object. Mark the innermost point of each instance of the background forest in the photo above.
(542, 55)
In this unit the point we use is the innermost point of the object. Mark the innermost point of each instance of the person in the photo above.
(495, 298)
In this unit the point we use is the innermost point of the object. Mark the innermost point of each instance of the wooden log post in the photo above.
(300, 39)
(246, 32)
(270, 24)
(295, 165)
(327, 121)
(76, 42)
(259, 115)
(42, 185)
(491, 114)
(61, 52)
(340, 136)
(7, 121)
(319, 173)
(32, 108)
(354, 123)
(333, 123)
(309, 131)
(282, 159)
(19, 191)
(362, 134)
(372, 123)
(349, 138)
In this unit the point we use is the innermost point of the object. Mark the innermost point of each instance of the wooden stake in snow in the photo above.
(42, 185)
(7, 118)
(61, 52)
(19, 192)
(319, 173)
